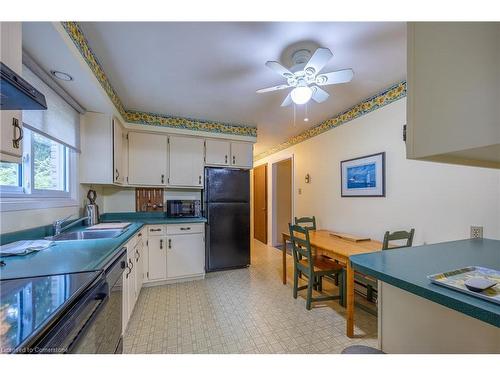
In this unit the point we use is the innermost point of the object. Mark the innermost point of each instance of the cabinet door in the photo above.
(185, 255)
(131, 283)
(157, 259)
(125, 292)
(147, 156)
(242, 154)
(217, 152)
(139, 258)
(11, 55)
(118, 175)
(186, 161)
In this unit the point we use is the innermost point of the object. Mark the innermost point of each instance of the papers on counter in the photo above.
(24, 247)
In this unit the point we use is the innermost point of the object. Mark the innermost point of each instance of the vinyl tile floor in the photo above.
(242, 311)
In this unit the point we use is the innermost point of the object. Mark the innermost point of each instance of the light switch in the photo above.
(300, 191)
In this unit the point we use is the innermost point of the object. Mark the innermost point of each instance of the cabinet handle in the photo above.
(162, 178)
(155, 230)
(137, 256)
(128, 271)
(139, 235)
(16, 140)
(117, 174)
(187, 228)
(169, 243)
(234, 159)
(225, 159)
(161, 244)
(199, 180)
(131, 264)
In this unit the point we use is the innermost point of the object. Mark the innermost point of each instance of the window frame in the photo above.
(25, 197)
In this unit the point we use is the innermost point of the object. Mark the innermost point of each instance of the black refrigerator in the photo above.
(227, 209)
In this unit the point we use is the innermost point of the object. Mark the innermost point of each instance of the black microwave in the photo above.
(183, 208)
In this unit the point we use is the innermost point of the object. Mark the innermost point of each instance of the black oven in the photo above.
(184, 208)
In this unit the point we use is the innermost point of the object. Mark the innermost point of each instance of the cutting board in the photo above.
(109, 226)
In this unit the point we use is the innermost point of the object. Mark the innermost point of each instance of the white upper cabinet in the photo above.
(186, 161)
(453, 111)
(10, 121)
(242, 154)
(147, 159)
(217, 152)
(96, 142)
(119, 174)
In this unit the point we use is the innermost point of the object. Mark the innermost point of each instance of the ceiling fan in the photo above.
(305, 77)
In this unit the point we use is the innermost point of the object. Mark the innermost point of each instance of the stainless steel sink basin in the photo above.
(87, 235)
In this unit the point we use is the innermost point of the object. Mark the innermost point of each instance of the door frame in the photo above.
(266, 181)
(275, 236)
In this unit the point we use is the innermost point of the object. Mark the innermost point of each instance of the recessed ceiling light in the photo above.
(61, 75)
(306, 119)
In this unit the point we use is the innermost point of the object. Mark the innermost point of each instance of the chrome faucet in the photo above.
(58, 228)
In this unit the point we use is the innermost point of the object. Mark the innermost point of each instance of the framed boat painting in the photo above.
(363, 176)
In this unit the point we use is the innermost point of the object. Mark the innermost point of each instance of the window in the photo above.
(50, 161)
(10, 174)
(45, 172)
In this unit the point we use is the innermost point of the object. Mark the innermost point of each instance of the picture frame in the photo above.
(363, 176)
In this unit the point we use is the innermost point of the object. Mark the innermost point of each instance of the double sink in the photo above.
(87, 235)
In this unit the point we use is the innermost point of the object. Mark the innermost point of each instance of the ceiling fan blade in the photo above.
(287, 101)
(274, 88)
(332, 78)
(280, 69)
(319, 59)
(319, 95)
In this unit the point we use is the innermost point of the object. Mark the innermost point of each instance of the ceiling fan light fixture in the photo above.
(301, 94)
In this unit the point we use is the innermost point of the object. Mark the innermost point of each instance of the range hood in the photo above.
(17, 94)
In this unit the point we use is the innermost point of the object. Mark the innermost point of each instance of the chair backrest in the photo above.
(395, 236)
(306, 222)
(301, 246)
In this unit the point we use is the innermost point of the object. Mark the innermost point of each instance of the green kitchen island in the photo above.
(416, 316)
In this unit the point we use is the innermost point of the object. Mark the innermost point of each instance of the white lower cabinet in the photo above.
(157, 258)
(185, 255)
(175, 252)
(131, 288)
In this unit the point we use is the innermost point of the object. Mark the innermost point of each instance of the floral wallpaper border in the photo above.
(377, 101)
(75, 33)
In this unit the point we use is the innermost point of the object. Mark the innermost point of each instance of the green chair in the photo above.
(314, 268)
(306, 222)
(370, 283)
(310, 224)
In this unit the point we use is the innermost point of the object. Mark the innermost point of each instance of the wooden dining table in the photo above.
(340, 247)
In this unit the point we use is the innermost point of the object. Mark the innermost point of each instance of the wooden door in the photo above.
(260, 203)
(186, 161)
(217, 152)
(147, 159)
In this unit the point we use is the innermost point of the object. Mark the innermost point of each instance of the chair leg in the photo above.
(342, 288)
(336, 278)
(369, 293)
(295, 282)
(309, 293)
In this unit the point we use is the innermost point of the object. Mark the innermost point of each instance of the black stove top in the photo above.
(29, 305)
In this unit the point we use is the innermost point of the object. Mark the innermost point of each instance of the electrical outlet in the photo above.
(476, 232)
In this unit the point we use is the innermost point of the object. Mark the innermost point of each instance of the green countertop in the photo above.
(408, 269)
(77, 256)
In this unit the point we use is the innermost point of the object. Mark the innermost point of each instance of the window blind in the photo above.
(60, 122)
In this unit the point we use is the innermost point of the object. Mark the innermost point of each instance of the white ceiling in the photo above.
(211, 71)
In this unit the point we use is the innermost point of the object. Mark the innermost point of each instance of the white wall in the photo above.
(440, 201)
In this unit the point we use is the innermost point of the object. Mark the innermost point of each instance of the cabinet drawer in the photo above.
(185, 228)
(156, 230)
